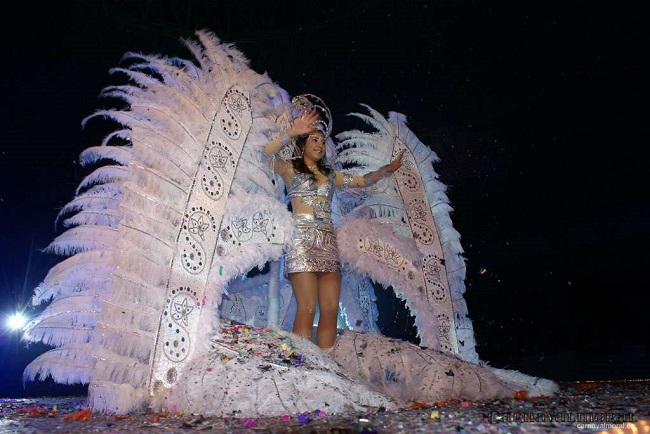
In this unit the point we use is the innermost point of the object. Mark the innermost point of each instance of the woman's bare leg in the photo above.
(329, 291)
(305, 289)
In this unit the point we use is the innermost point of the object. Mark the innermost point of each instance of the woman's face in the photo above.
(315, 146)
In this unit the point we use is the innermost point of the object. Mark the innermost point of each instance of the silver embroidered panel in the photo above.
(197, 238)
(433, 274)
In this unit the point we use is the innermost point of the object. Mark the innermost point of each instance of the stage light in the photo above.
(17, 321)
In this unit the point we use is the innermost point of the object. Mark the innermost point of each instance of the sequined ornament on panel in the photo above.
(258, 227)
(177, 341)
(198, 224)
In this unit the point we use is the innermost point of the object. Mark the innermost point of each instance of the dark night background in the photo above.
(538, 113)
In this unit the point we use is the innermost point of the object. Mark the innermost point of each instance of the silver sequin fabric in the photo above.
(313, 248)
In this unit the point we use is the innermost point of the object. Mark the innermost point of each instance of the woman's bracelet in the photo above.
(289, 150)
(285, 139)
(369, 180)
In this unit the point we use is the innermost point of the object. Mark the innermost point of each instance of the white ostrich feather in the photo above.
(119, 154)
(516, 381)
(74, 310)
(136, 202)
(122, 118)
(66, 365)
(60, 330)
(145, 266)
(135, 316)
(82, 238)
(118, 91)
(121, 369)
(105, 196)
(132, 291)
(73, 278)
(103, 217)
(141, 78)
(123, 341)
(154, 183)
(176, 171)
(375, 119)
(117, 398)
(123, 134)
(160, 66)
(102, 175)
(348, 139)
(227, 56)
(154, 233)
(82, 264)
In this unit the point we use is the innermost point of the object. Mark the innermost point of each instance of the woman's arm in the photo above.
(369, 178)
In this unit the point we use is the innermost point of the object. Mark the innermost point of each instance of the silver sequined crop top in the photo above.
(317, 196)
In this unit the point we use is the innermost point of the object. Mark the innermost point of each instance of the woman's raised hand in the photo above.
(304, 124)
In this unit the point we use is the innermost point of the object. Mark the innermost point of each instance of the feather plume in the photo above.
(82, 238)
(98, 197)
(119, 154)
(102, 175)
(58, 331)
(104, 217)
(74, 283)
(119, 369)
(116, 398)
(76, 274)
(66, 365)
(123, 341)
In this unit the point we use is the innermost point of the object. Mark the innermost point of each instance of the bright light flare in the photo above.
(17, 321)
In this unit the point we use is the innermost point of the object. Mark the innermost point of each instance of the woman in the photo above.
(312, 261)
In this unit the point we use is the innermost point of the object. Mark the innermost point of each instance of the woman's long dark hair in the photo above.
(299, 164)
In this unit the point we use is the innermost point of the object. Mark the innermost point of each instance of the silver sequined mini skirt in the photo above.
(313, 248)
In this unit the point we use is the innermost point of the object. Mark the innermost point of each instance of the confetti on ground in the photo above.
(580, 407)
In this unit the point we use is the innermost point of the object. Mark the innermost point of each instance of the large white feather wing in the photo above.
(405, 237)
(184, 205)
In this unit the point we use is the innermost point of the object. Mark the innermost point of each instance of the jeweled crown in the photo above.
(306, 102)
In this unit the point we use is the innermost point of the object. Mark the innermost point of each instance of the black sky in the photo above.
(538, 113)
